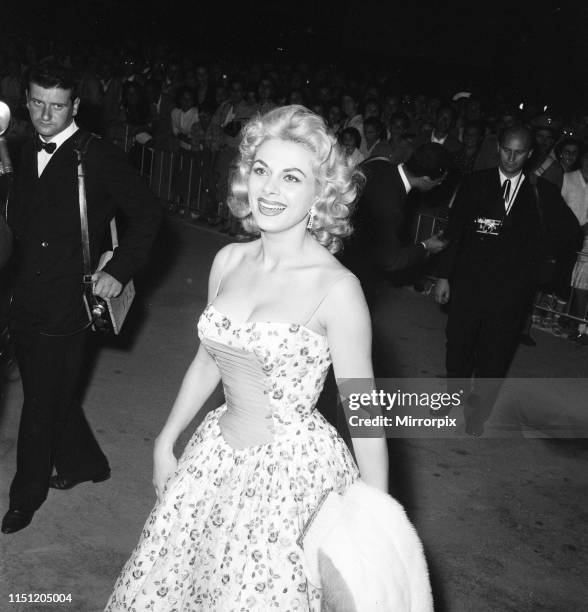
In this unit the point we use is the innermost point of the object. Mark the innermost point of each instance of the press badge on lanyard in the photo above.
(488, 227)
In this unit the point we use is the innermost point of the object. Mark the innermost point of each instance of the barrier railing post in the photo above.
(189, 196)
(171, 173)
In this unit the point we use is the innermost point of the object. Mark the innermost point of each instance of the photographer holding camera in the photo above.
(48, 318)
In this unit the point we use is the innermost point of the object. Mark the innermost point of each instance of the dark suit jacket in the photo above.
(44, 215)
(375, 247)
(501, 272)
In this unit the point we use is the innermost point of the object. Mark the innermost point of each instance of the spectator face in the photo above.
(132, 96)
(514, 152)
(51, 110)
(236, 93)
(173, 73)
(187, 101)
(397, 128)
(190, 79)
(265, 90)
(349, 107)
(282, 186)
(158, 70)
(324, 95)
(371, 110)
(473, 110)
(106, 71)
(204, 118)
(334, 116)
(569, 156)
(296, 98)
(432, 106)
(319, 109)
(129, 66)
(201, 75)
(507, 120)
(348, 143)
(544, 140)
(371, 134)
(392, 104)
(444, 121)
(472, 137)
(220, 94)
(420, 104)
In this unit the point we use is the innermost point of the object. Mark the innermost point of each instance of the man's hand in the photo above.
(105, 286)
(435, 244)
(442, 291)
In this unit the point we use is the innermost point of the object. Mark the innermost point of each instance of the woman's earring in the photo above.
(311, 214)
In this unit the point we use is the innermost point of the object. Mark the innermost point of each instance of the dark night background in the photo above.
(538, 50)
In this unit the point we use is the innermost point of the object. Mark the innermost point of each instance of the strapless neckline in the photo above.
(282, 323)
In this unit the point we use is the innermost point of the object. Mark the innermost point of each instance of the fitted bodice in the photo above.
(272, 375)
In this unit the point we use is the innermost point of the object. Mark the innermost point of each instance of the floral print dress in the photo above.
(224, 537)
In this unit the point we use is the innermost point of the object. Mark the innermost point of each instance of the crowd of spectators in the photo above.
(194, 106)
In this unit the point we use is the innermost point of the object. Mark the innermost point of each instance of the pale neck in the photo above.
(285, 248)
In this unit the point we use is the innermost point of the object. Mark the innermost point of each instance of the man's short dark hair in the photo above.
(431, 159)
(50, 73)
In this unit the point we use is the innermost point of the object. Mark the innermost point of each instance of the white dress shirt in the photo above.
(515, 185)
(43, 157)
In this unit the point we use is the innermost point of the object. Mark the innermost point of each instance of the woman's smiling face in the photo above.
(282, 185)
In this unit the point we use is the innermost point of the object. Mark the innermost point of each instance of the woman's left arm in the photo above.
(347, 321)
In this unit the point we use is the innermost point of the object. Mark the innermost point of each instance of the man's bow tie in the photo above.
(46, 146)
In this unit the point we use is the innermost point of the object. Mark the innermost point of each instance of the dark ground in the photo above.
(503, 521)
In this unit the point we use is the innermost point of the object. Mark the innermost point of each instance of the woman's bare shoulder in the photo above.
(234, 252)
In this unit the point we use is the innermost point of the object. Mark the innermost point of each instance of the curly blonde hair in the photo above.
(339, 184)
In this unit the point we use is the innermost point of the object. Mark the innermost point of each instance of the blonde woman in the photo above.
(223, 534)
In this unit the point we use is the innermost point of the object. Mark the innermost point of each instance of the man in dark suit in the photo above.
(503, 224)
(376, 246)
(442, 132)
(48, 312)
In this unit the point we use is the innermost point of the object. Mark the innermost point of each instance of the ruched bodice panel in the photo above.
(247, 421)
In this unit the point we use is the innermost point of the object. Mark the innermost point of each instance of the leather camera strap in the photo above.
(80, 149)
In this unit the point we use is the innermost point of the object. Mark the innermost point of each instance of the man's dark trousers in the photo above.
(53, 429)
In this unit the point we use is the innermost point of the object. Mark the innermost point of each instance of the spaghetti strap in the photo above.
(326, 293)
(222, 275)
(220, 280)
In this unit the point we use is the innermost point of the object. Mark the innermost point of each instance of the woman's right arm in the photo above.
(199, 382)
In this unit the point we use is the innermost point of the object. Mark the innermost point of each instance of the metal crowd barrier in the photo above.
(181, 179)
(547, 309)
